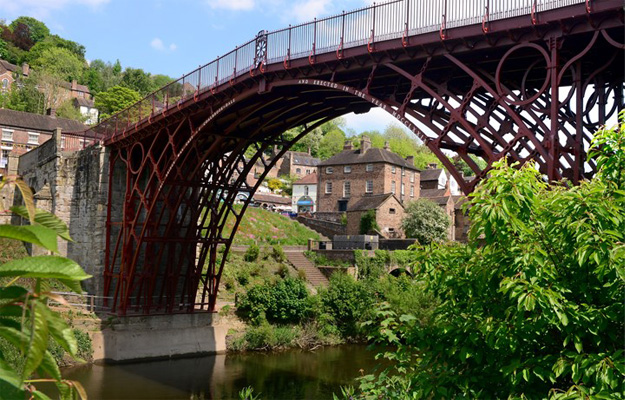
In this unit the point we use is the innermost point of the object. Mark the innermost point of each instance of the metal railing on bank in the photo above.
(366, 26)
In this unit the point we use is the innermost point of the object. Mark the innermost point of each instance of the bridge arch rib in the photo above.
(531, 92)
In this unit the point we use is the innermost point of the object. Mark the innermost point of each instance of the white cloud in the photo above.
(304, 11)
(376, 119)
(157, 44)
(42, 8)
(235, 5)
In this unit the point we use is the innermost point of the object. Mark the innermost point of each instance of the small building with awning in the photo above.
(304, 198)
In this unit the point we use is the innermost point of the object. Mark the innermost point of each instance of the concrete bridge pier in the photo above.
(133, 338)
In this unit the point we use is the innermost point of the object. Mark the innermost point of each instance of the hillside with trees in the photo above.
(55, 61)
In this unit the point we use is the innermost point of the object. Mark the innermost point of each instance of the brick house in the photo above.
(349, 176)
(23, 131)
(389, 212)
(9, 73)
(297, 163)
(304, 197)
(437, 178)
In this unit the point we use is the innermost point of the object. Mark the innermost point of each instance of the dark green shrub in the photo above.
(252, 252)
(243, 277)
(291, 302)
(286, 301)
(278, 253)
(283, 271)
(368, 223)
(347, 302)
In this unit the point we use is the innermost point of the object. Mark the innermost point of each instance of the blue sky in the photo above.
(174, 37)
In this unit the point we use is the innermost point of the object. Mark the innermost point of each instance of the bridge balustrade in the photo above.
(365, 26)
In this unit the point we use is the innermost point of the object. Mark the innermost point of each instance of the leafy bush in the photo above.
(286, 301)
(278, 253)
(368, 223)
(425, 221)
(372, 267)
(252, 252)
(534, 309)
(346, 302)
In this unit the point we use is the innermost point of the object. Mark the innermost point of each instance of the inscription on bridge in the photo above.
(377, 102)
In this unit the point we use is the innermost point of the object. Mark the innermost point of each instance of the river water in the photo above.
(293, 374)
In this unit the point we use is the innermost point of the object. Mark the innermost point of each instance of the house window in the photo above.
(369, 168)
(7, 134)
(5, 84)
(305, 190)
(347, 189)
(328, 187)
(403, 187)
(403, 171)
(412, 177)
(391, 211)
(369, 187)
(307, 172)
(411, 191)
(347, 169)
(342, 205)
(33, 138)
(62, 143)
(298, 170)
(329, 170)
(393, 185)
(4, 156)
(393, 169)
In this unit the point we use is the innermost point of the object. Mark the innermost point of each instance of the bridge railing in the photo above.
(365, 26)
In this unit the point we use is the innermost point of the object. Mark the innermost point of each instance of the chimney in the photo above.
(410, 160)
(432, 166)
(308, 150)
(387, 147)
(74, 85)
(25, 69)
(51, 112)
(348, 145)
(365, 144)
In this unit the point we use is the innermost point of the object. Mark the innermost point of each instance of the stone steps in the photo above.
(301, 263)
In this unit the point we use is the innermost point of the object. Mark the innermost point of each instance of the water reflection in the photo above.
(285, 375)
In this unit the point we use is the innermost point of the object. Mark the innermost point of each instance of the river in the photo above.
(292, 374)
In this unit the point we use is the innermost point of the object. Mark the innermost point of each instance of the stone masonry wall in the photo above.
(74, 186)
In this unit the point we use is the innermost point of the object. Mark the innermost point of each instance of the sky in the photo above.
(173, 37)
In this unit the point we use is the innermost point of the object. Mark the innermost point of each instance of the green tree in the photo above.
(26, 98)
(425, 221)
(115, 99)
(54, 41)
(331, 144)
(37, 30)
(4, 51)
(61, 63)
(532, 307)
(137, 80)
(368, 223)
(69, 111)
(159, 80)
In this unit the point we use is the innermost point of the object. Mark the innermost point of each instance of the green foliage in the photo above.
(4, 51)
(464, 167)
(331, 144)
(137, 80)
(61, 63)
(54, 41)
(286, 301)
(37, 30)
(533, 306)
(115, 99)
(346, 303)
(252, 252)
(25, 98)
(67, 110)
(425, 221)
(247, 393)
(372, 267)
(368, 223)
(277, 252)
(608, 147)
(26, 323)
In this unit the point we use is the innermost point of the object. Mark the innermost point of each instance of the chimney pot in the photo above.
(432, 166)
(51, 112)
(387, 146)
(410, 159)
(25, 69)
(348, 145)
(74, 84)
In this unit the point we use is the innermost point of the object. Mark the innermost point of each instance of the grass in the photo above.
(265, 227)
